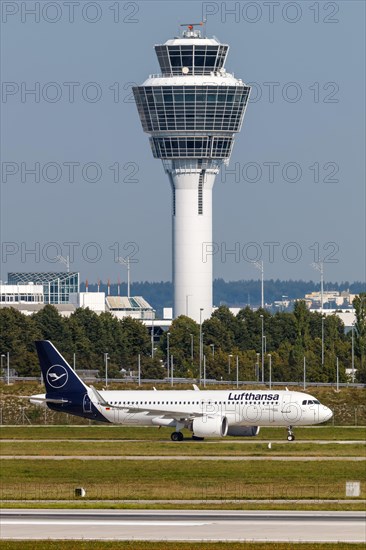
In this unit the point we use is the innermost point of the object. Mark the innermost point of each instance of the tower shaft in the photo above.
(192, 239)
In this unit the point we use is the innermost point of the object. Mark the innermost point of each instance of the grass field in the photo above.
(140, 545)
(194, 479)
(112, 432)
(190, 448)
(197, 478)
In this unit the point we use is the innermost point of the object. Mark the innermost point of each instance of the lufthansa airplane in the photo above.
(215, 413)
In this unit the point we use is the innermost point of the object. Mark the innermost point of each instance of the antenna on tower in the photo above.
(191, 33)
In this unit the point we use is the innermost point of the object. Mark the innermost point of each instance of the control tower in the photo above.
(192, 111)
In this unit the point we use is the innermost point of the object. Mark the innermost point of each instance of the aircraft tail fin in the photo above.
(58, 376)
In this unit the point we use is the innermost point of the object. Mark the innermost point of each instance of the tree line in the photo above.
(230, 293)
(289, 337)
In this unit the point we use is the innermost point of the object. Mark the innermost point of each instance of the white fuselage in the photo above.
(240, 407)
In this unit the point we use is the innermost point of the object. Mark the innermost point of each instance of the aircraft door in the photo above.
(87, 406)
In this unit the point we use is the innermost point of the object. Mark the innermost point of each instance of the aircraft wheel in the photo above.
(290, 437)
(176, 436)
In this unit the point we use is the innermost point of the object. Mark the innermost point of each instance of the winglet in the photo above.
(99, 398)
(196, 388)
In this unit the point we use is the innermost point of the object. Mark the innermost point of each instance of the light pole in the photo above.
(152, 334)
(259, 265)
(213, 350)
(139, 368)
(106, 368)
(337, 375)
(322, 340)
(192, 348)
(8, 367)
(304, 372)
(353, 354)
(2, 355)
(201, 343)
(167, 352)
(270, 370)
(65, 261)
(126, 262)
(204, 371)
(237, 371)
(319, 266)
(257, 367)
(230, 356)
(262, 319)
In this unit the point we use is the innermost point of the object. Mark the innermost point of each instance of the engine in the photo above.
(243, 431)
(210, 426)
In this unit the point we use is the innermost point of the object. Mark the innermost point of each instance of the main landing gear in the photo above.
(290, 434)
(177, 436)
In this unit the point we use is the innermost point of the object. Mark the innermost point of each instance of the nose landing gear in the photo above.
(290, 434)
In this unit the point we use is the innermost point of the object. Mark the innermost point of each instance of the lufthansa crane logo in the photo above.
(57, 376)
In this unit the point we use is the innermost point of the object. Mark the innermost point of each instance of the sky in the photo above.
(78, 177)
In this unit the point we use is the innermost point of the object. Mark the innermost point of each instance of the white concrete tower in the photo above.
(192, 111)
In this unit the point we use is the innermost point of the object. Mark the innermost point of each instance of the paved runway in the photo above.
(231, 458)
(184, 525)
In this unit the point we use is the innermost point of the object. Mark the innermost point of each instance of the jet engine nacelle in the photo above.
(210, 426)
(243, 431)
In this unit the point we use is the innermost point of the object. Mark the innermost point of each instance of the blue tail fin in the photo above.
(58, 376)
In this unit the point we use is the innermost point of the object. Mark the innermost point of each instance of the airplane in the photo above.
(206, 413)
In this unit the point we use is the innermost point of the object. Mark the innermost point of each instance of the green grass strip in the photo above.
(194, 479)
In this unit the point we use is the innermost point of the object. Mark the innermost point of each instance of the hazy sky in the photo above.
(296, 190)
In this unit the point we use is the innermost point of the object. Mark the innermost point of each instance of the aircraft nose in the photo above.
(328, 413)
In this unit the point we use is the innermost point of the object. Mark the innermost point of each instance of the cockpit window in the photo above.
(304, 402)
(316, 401)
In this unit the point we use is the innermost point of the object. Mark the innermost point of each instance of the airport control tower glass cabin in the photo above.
(192, 111)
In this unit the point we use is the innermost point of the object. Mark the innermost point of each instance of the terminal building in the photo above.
(330, 298)
(30, 292)
(56, 286)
